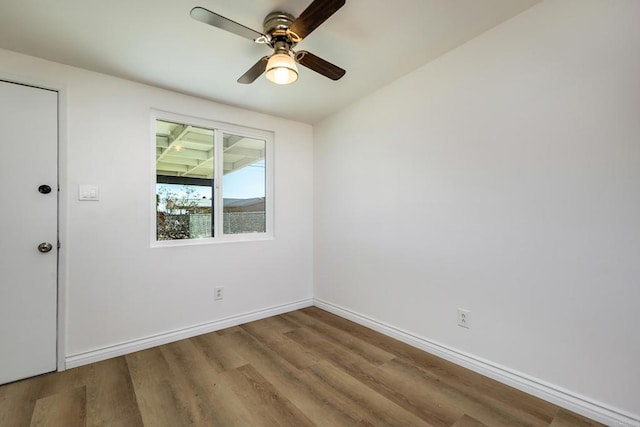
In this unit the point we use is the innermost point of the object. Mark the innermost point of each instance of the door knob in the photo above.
(45, 247)
(44, 189)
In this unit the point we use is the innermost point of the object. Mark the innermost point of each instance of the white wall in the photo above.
(119, 289)
(504, 178)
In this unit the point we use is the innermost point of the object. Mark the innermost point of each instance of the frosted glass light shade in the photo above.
(281, 69)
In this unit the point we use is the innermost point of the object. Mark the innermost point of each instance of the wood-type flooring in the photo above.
(303, 368)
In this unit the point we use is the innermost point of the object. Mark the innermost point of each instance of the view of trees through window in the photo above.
(204, 188)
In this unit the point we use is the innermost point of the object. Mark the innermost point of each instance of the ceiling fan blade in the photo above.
(319, 65)
(314, 15)
(254, 72)
(203, 15)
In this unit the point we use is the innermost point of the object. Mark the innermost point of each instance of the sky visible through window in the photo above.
(245, 183)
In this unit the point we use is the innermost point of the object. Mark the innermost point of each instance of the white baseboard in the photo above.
(549, 392)
(104, 353)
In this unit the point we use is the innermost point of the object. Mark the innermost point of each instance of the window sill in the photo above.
(212, 240)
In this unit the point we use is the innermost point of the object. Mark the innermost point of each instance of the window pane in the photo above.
(184, 181)
(244, 185)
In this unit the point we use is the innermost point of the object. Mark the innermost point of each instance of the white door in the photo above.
(28, 223)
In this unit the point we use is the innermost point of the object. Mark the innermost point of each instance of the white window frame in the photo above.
(219, 129)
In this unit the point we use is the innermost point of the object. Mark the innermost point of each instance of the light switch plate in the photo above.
(89, 193)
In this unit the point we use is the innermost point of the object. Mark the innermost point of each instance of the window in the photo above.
(212, 181)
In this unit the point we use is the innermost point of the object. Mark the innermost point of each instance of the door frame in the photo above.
(62, 201)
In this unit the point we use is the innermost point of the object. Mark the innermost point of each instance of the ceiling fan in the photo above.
(282, 32)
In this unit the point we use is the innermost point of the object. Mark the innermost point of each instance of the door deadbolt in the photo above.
(45, 247)
(44, 189)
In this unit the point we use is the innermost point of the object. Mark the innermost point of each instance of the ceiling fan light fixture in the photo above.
(281, 33)
(281, 69)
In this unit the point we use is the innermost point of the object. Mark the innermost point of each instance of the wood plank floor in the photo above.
(303, 368)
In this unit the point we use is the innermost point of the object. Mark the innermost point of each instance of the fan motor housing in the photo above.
(276, 24)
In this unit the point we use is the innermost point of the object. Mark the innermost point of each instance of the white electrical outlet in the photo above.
(218, 293)
(464, 318)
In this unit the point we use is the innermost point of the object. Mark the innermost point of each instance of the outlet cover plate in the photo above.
(464, 318)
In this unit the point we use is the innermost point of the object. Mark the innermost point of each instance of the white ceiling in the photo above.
(156, 42)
